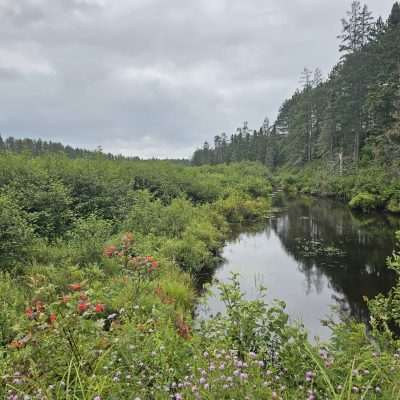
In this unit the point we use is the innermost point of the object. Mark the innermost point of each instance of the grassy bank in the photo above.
(370, 187)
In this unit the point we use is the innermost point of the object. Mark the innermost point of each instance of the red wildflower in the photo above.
(183, 329)
(150, 258)
(30, 313)
(52, 318)
(83, 306)
(75, 286)
(109, 251)
(154, 265)
(100, 308)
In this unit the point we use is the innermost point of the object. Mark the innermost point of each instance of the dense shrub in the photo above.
(16, 233)
(238, 207)
(368, 187)
(386, 309)
(394, 203)
(86, 239)
(365, 202)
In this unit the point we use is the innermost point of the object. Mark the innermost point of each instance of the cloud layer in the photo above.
(155, 77)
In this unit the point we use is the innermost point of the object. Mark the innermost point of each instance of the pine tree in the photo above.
(356, 28)
(335, 119)
(394, 18)
(377, 30)
(306, 79)
(394, 131)
(317, 79)
(366, 25)
(307, 82)
(350, 29)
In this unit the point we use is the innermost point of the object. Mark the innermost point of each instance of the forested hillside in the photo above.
(352, 117)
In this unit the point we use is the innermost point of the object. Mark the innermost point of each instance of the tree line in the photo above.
(352, 115)
(38, 147)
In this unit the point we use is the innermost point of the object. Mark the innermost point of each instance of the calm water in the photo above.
(315, 254)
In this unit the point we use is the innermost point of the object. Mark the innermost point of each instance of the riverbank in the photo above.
(99, 305)
(309, 253)
(370, 187)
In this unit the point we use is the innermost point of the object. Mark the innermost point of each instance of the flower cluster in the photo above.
(126, 252)
(125, 248)
(43, 316)
(222, 372)
(83, 303)
(148, 263)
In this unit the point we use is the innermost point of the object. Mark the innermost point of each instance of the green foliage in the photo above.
(11, 305)
(128, 331)
(189, 253)
(237, 207)
(86, 239)
(366, 188)
(365, 202)
(394, 203)
(349, 118)
(97, 313)
(385, 310)
(48, 204)
(16, 233)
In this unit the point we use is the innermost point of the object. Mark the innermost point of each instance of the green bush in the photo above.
(365, 202)
(238, 207)
(87, 238)
(394, 204)
(385, 310)
(48, 203)
(16, 233)
(189, 253)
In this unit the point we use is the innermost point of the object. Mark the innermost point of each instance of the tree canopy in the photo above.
(352, 115)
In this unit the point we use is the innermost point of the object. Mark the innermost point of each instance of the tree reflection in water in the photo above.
(313, 253)
(364, 241)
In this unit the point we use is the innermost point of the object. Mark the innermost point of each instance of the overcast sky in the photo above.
(157, 77)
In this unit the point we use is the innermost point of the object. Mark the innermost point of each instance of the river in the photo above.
(316, 255)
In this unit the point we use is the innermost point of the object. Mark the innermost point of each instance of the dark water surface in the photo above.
(313, 254)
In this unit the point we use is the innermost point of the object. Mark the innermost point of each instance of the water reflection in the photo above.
(313, 254)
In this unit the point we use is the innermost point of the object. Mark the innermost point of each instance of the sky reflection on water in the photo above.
(314, 254)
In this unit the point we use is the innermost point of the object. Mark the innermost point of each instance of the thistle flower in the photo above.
(243, 376)
(309, 376)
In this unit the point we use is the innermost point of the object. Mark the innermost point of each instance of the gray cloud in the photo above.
(154, 77)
